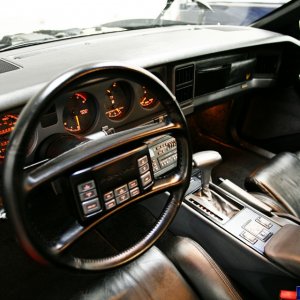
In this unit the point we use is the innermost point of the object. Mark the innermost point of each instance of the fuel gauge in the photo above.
(148, 100)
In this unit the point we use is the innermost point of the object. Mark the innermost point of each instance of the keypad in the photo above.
(89, 197)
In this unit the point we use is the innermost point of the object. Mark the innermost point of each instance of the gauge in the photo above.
(7, 125)
(79, 113)
(118, 100)
(148, 100)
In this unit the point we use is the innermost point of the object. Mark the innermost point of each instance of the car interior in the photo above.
(159, 163)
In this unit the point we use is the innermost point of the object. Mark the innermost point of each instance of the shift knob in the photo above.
(206, 161)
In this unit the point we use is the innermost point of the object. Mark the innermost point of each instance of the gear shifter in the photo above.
(205, 197)
(206, 161)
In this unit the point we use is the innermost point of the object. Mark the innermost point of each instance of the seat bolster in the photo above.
(200, 269)
(150, 276)
(280, 179)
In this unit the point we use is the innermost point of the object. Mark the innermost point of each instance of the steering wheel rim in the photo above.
(18, 185)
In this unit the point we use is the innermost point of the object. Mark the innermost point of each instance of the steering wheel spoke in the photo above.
(93, 150)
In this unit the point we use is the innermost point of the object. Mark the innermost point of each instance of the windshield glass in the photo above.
(33, 21)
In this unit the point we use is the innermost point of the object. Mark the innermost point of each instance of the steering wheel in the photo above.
(115, 157)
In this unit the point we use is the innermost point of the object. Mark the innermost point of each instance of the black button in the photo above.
(107, 196)
(123, 197)
(134, 192)
(91, 206)
(121, 190)
(88, 195)
(83, 187)
(144, 168)
(132, 184)
(143, 160)
(110, 204)
(146, 179)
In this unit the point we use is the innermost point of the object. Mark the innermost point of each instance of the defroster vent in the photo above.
(184, 82)
(6, 66)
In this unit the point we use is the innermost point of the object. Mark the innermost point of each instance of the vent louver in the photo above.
(266, 64)
(6, 66)
(184, 82)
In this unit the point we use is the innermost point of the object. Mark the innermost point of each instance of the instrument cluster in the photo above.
(84, 111)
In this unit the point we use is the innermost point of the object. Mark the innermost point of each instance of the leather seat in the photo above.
(181, 269)
(279, 180)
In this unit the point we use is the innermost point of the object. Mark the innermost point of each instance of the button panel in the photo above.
(163, 155)
(105, 186)
(89, 197)
(257, 230)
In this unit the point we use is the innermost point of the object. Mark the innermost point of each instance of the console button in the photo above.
(88, 195)
(264, 222)
(264, 235)
(146, 179)
(132, 184)
(144, 168)
(253, 227)
(83, 187)
(249, 237)
(109, 195)
(134, 192)
(91, 206)
(121, 190)
(123, 197)
(110, 204)
(143, 160)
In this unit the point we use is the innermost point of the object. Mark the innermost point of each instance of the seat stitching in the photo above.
(222, 276)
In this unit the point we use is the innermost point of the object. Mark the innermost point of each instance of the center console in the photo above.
(234, 227)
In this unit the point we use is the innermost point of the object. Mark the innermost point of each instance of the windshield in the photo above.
(33, 21)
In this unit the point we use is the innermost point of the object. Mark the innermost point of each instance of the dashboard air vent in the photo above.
(6, 66)
(184, 82)
(267, 64)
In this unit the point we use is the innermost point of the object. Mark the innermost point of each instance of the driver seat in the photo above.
(179, 269)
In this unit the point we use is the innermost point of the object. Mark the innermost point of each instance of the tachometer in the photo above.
(79, 113)
(118, 100)
(148, 100)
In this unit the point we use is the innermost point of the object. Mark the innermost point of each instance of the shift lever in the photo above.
(206, 161)
(210, 200)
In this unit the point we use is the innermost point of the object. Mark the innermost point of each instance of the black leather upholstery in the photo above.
(194, 275)
(279, 179)
(206, 277)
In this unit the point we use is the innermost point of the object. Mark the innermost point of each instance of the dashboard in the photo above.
(200, 64)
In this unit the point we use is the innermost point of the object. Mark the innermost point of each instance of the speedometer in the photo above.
(118, 100)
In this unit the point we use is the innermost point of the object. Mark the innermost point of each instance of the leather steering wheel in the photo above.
(89, 161)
